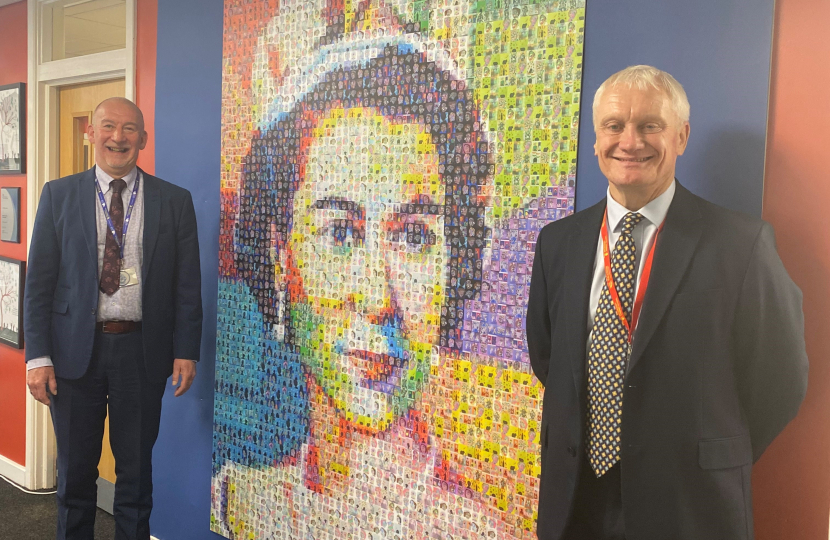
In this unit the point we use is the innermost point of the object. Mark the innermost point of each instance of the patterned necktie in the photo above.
(609, 353)
(111, 271)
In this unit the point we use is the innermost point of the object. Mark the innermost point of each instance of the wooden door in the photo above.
(77, 103)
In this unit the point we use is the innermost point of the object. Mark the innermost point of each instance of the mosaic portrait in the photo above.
(386, 168)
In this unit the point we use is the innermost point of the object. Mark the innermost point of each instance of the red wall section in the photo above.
(13, 69)
(145, 77)
(792, 480)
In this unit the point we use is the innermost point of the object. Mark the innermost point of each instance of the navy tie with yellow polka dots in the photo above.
(609, 353)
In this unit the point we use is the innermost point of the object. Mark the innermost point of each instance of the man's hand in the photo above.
(186, 370)
(42, 382)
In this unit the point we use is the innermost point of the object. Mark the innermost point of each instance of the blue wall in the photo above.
(188, 109)
(719, 50)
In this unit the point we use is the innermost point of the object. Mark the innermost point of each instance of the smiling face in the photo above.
(117, 131)
(371, 265)
(638, 140)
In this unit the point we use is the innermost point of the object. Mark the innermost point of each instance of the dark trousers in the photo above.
(116, 378)
(597, 512)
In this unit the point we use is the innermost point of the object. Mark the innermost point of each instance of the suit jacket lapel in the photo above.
(152, 213)
(674, 250)
(87, 201)
(582, 249)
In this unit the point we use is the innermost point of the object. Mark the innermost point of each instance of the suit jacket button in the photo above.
(572, 451)
(93, 311)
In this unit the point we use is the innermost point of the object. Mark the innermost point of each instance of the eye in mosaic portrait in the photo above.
(386, 167)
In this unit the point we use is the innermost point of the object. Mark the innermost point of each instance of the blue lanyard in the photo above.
(110, 224)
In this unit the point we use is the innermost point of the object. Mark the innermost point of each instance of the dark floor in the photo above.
(32, 517)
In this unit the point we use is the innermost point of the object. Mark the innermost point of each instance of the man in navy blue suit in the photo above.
(112, 308)
(668, 335)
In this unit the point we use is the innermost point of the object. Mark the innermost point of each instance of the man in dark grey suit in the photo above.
(112, 308)
(669, 338)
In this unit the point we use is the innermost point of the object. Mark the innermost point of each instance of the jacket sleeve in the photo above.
(187, 335)
(769, 337)
(537, 324)
(41, 280)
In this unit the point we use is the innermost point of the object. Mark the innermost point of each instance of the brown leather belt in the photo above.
(118, 327)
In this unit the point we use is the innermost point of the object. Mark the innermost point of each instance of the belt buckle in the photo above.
(112, 327)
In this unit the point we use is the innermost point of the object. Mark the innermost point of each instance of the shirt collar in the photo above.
(104, 179)
(655, 211)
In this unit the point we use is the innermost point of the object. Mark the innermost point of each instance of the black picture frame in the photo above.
(12, 278)
(8, 164)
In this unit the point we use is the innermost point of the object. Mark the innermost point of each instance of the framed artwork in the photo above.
(13, 129)
(10, 214)
(12, 275)
(386, 169)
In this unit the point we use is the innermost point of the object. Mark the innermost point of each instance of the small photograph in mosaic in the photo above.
(386, 167)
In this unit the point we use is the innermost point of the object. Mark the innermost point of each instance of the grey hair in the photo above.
(644, 77)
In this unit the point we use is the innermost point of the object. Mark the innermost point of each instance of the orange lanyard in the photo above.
(641, 289)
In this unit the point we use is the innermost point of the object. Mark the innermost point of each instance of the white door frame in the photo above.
(44, 79)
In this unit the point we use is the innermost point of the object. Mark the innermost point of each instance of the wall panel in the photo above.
(13, 69)
(792, 499)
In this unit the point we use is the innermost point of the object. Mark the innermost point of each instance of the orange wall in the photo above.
(145, 77)
(792, 480)
(13, 69)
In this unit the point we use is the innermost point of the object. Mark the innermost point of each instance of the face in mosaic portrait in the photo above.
(376, 235)
(369, 250)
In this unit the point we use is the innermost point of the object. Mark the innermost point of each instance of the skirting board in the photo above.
(11, 470)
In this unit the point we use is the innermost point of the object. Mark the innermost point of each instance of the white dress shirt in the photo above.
(125, 303)
(644, 233)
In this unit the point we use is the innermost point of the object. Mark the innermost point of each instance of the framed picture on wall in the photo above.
(10, 214)
(13, 128)
(12, 274)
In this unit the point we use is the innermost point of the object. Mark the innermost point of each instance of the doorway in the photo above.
(76, 104)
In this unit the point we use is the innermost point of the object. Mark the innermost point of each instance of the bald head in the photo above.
(120, 102)
(117, 131)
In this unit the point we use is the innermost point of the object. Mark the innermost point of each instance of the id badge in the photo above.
(128, 277)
